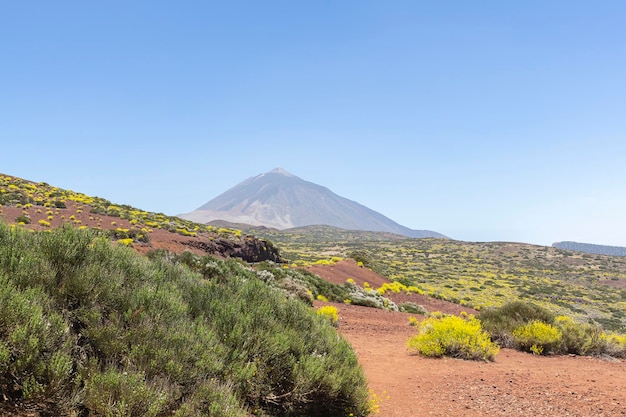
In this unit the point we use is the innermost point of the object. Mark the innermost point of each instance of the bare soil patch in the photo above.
(79, 215)
(341, 271)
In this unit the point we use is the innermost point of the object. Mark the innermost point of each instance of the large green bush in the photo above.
(501, 322)
(87, 325)
(581, 338)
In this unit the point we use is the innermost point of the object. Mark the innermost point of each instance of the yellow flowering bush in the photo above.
(538, 337)
(453, 336)
(331, 313)
(322, 298)
(398, 287)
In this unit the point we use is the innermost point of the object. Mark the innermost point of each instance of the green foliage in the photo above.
(538, 337)
(23, 219)
(581, 338)
(531, 328)
(410, 307)
(34, 353)
(363, 257)
(453, 336)
(124, 393)
(615, 345)
(502, 321)
(87, 325)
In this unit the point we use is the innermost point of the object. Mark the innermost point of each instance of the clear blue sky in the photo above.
(483, 120)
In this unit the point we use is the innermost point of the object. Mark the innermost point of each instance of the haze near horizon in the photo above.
(490, 121)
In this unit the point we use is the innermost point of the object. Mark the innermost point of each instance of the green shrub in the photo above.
(501, 322)
(413, 308)
(453, 336)
(579, 338)
(211, 398)
(35, 348)
(368, 297)
(273, 362)
(538, 337)
(528, 327)
(124, 393)
(87, 327)
(615, 345)
(364, 258)
(23, 219)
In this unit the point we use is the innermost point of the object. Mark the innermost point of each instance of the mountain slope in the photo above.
(591, 248)
(282, 200)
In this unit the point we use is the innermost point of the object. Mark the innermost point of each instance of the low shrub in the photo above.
(580, 338)
(330, 313)
(453, 336)
(296, 289)
(502, 321)
(530, 328)
(116, 393)
(615, 345)
(538, 337)
(413, 308)
(368, 297)
(333, 292)
(23, 218)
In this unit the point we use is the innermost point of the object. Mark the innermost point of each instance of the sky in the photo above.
(483, 120)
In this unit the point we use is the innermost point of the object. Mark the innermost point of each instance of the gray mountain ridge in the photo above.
(281, 200)
(591, 248)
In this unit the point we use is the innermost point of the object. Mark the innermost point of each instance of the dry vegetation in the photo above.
(478, 275)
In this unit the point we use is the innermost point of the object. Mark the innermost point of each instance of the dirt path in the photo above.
(516, 384)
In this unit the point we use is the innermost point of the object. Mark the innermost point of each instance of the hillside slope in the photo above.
(475, 274)
(281, 200)
(40, 206)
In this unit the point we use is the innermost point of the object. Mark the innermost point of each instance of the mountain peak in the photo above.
(282, 200)
(279, 170)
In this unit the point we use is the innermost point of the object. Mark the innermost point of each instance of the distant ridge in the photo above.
(591, 248)
(281, 200)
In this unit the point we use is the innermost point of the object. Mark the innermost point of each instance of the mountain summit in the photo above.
(282, 200)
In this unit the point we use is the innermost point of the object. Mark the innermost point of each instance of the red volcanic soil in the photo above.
(516, 384)
(79, 215)
(340, 272)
